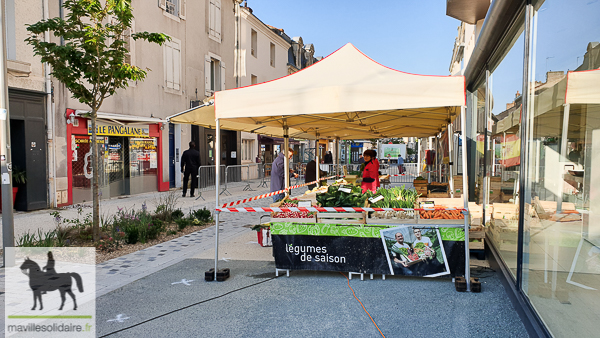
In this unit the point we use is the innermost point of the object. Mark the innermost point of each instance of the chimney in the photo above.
(517, 95)
(554, 76)
(510, 105)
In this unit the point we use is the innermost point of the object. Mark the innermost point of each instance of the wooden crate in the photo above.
(505, 211)
(341, 217)
(413, 220)
(438, 194)
(479, 244)
(294, 220)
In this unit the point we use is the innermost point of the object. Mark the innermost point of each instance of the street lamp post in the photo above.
(8, 236)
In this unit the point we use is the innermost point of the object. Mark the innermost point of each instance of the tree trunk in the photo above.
(95, 195)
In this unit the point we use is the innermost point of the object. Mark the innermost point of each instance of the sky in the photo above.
(413, 36)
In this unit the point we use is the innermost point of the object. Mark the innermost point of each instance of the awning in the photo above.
(121, 119)
(583, 87)
(204, 116)
(350, 96)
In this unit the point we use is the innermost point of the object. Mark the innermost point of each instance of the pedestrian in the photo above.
(329, 157)
(400, 164)
(278, 174)
(370, 175)
(190, 161)
(361, 159)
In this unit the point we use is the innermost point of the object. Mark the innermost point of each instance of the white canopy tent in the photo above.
(347, 95)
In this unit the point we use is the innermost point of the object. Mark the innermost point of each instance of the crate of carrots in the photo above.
(440, 213)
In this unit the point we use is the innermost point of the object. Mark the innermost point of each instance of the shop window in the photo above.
(247, 150)
(214, 20)
(172, 64)
(253, 42)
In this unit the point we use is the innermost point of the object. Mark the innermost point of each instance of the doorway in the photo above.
(117, 165)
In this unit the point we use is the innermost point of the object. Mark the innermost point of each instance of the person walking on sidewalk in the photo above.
(190, 161)
(278, 174)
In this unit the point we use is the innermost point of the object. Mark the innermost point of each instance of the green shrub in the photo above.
(182, 223)
(176, 214)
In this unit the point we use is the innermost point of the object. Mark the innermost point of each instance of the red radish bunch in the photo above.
(292, 214)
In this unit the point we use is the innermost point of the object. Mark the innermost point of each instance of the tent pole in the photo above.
(217, 189)
(286, 145)
(450, 157)
(317, 159)
(463, 128)
(564, 155)
(337, 155)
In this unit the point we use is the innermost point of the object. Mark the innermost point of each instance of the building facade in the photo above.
(533, 129)
(140, 151)
(30, 105)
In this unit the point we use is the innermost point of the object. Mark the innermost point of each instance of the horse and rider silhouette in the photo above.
(42, 281)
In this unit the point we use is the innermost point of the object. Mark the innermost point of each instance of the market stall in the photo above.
(328, 101)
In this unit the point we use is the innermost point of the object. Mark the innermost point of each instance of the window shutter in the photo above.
(218, 19)
(162, 4)
(207, 89)
(176, 65)
(182, 9)
(211, 18)
(169, 60)
(222, 75)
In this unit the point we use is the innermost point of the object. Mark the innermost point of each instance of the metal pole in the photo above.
(450, 159)
(463, 127)
(563, 157)
(485, 189)
(317, 159)
(337, 154)
(286, 159)
(8, 226)
(217, 181)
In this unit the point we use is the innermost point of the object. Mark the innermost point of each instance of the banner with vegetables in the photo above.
(415, 251)
(358, 248)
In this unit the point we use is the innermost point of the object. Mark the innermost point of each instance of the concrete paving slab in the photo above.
(252, 303)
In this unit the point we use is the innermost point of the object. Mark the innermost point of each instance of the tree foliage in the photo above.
(91, 58)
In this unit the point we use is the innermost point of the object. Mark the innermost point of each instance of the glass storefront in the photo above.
(562, 259)
(129, 166)
(558, 113)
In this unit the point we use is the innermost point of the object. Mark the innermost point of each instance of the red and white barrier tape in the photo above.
(323, 209)
(272, 193)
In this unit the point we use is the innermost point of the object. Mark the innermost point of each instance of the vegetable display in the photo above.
(292, 214)
(395, 197)
(336, 196)
(441, 214)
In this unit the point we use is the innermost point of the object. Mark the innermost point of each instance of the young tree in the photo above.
(91, 61)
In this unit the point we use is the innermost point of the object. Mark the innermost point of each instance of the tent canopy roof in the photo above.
(350, 96)
(204, 116)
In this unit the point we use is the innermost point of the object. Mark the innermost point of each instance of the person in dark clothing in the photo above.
(328, 158)
(190, 161)
(311, 174)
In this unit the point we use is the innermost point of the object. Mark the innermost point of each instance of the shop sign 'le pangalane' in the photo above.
(118, 130)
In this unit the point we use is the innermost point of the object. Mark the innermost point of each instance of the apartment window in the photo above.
(214, 20)
(272, 62)
(253, 79)
(172, 61)
(253, 42)
(174, 9)
(214, 72)
(129, 43)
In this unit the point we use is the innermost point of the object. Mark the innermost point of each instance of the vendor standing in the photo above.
(278, 174)
(370, 174)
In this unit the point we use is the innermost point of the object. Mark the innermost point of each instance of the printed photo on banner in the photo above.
(415, 251)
